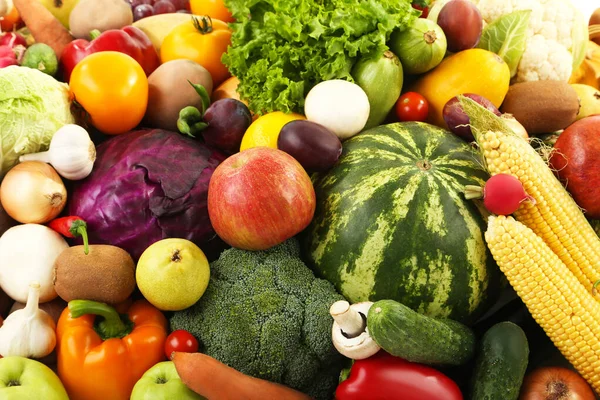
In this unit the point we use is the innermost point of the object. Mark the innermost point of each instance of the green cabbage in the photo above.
(33, 105)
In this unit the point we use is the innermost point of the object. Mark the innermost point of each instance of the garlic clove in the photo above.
(29, 332)
(72, 153)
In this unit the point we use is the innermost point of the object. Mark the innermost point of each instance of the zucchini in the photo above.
(381, 79)
(415, 337)
(501, 363)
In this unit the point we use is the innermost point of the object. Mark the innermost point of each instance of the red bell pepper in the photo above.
(129, 40)
(385, 377)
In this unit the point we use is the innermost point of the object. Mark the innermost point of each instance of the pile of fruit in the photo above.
(299, 199)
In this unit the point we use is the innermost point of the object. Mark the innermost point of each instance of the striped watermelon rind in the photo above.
(392, 223)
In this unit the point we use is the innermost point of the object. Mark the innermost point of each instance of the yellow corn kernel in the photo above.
(554, 216)
(575, 333)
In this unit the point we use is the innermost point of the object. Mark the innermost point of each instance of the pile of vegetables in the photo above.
(299, 199)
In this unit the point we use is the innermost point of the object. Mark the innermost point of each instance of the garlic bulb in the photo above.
(29, 332)
(72, 153)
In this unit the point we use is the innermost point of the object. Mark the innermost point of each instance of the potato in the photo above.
(170, 91)
(106, 274)
(102, 15)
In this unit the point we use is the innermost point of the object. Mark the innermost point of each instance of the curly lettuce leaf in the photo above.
(507, 36)
(280, 49)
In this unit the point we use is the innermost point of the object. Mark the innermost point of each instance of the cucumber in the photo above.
(415, 337)
(501, 363)
(381, 79)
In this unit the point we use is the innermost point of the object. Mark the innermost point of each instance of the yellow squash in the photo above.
(589, 71)
(475, 71)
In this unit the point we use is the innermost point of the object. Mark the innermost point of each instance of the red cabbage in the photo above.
(146, 186)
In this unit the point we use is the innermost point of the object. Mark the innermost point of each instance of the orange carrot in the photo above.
(216, 381)
(44, 27)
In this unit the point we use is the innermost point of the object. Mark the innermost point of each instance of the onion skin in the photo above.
(32, 192)
(555, 383)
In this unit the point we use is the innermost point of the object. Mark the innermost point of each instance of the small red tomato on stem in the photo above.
(502, 194)
(182, 341)
(423, 6)
(411, 106)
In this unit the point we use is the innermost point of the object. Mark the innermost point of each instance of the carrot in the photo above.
(44, 27)
(216, 381)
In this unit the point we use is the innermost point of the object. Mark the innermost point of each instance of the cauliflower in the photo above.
(557, 36)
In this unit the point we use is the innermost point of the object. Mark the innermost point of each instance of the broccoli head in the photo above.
(265, 314)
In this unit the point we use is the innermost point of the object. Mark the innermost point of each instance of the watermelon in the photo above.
(392, 223)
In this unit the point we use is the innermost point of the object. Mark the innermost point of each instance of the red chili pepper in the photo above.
(385, 377)
(129, 40)
(71, 227)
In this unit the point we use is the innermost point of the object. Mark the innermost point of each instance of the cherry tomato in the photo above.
(411, 106)
(421, 5)
(113, 89)
(180, 340)
(213, 8)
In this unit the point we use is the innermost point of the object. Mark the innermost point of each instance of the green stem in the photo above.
(79, 228)
(112, 325)
(94, 34)
(473, 192)
(203, 24)
(204, 96)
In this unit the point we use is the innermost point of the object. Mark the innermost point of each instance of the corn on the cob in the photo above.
(569, 315)
(554, 216)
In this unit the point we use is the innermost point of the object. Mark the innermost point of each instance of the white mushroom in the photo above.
(349, 332)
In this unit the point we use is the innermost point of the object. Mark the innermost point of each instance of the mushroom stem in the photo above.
(349, 320)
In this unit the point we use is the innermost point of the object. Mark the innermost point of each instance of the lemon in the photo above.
(172, 274)
(265, 130)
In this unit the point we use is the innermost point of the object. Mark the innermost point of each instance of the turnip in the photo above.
(502, 194)
(341, 106)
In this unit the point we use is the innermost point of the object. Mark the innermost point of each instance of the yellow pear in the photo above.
(589, 100)
(61, 9)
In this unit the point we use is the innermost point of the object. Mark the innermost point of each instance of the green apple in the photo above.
(161, 382)
(61, 9)
(25, 379)
(172, 274)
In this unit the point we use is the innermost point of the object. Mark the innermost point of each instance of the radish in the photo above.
(502, 194)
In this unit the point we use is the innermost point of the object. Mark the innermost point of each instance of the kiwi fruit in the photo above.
(542, 106)
(106, 274)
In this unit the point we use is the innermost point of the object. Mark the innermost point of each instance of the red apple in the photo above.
(259, 198)
(577, 162)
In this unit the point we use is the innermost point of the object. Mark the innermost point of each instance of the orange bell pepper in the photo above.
(102, 354)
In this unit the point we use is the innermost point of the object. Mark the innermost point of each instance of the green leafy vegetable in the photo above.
(280, 49)
(33, 105)
(507, 36)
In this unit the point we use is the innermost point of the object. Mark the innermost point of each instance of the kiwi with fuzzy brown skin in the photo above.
(106, 274)
(542, 106)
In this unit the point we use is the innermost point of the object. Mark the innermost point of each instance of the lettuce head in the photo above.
(33, 105)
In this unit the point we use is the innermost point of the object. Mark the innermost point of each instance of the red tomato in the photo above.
(180, 340)
(411, 106)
